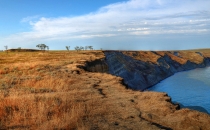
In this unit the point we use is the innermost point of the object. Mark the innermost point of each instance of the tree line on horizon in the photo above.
(43, 47)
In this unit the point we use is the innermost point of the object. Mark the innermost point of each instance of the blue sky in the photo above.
(108, 24)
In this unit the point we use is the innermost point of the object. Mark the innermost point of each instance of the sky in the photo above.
(105, 24)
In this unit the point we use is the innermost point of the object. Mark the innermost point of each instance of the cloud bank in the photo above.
(133, 18)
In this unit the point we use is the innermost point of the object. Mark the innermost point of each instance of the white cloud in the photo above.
(134, 17)
(30, 18)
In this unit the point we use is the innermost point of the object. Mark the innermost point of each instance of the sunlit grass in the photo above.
(38, 90)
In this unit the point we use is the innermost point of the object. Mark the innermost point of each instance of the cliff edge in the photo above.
(143, 69)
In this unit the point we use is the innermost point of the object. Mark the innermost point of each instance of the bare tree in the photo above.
(89, 47)
(81, 48)
(77, 48)
(67, 48)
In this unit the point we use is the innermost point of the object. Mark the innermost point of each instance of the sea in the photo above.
(191, 89)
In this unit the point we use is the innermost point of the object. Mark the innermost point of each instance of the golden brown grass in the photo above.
(49, 91)
(40, 90)
(192, 56)
(146, 56)
(182, 58)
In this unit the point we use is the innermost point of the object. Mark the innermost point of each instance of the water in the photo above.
(189, 88)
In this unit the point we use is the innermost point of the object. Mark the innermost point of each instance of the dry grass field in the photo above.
(41, 89)
(49, 90)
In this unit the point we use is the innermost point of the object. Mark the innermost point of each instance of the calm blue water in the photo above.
(190, 88)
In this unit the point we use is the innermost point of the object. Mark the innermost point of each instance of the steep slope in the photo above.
(134, 109)
(143, 69)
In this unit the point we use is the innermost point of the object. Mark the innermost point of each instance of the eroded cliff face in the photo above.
(129, 109)
(97, 66)
(143, 69)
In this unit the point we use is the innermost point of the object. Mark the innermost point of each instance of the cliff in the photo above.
(140, 70)
(143, 69)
